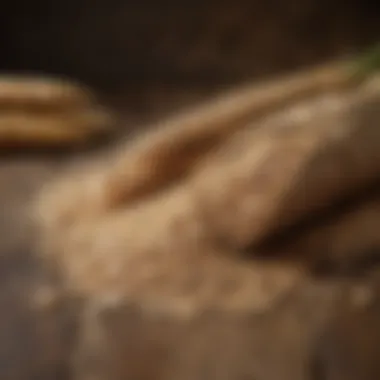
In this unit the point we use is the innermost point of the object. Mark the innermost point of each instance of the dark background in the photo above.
(119, 44)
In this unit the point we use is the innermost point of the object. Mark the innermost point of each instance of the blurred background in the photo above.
(152, 56)
(146, 59)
